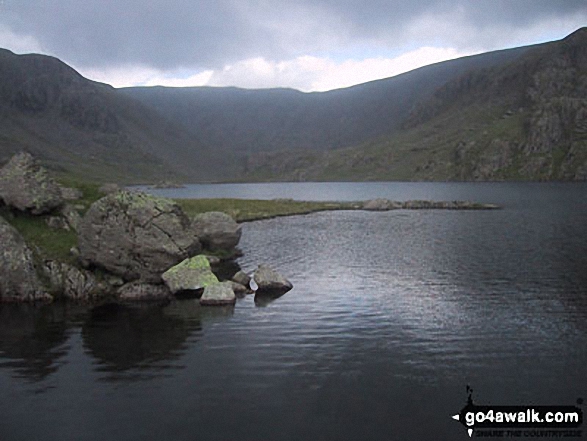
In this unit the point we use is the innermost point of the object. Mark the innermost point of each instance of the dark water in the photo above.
(391, 316)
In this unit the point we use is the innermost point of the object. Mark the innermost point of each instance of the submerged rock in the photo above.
(26, 186)
(217, 231)
(192, 274)
(18, 278)
(218, 294)
(135, 236)
(270, 281)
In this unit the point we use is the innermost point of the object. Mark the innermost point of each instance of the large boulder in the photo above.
(270, 281)
(27, 186)
(136, 236)
(218, 294)
(18, 278)
(217, 231)
(193, 274)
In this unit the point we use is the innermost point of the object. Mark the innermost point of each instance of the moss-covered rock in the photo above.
(193, 274)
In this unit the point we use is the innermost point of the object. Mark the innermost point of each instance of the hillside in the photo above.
(264, 120)
(78, 126)
(520, 119)
(506, 115)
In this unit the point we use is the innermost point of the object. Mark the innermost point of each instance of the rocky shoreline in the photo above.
(130, 246)
(133, 246)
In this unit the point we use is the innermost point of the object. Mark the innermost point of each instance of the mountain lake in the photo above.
(392, 315)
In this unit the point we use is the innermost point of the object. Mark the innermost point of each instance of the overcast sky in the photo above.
(304, 44)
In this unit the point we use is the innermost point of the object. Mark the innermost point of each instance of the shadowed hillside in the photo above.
(506, 115)
(265, 120)
(91, 129)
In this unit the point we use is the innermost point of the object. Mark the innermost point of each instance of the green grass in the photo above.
(89, 190)
(247, 210)
(48, 243)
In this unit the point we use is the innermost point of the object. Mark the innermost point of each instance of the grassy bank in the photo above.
(244, 210)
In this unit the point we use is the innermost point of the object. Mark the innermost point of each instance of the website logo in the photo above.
(520, 421)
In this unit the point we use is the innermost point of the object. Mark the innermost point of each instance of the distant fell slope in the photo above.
(264, 120)
(513, 114)
(82, 127)
(524, 118)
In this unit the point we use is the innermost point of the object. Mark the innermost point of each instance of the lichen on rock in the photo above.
(192, 274)
(26, 186)
(18, 276)
(136, 236)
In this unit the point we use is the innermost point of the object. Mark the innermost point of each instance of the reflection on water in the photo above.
(123, 337)
(391, 315)
(118, 337)
(32, 339)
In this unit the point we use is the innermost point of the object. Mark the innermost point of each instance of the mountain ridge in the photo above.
(513, 114)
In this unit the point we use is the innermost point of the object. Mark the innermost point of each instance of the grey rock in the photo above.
(192, 274)
(242, 278)
(270, 281)
(167, 184)
(71, 216)
(71, 194)
(217, 231)
(218, 294)
(214, 261)
(71, 283)
(240, 290)
(57, 223)
(18, 277)
(143, 291)
(27, 186)
(114, 281)
(135, 236)
(380, 205)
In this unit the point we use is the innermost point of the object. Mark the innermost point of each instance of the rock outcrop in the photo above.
(218, 294)
(218, 232)
(26, 186)
(136, 236)
(71, 283)
(143, 291)
(193, 274)
(18, 277)
(270, 281)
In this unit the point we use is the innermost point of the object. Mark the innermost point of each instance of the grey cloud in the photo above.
(211, 33)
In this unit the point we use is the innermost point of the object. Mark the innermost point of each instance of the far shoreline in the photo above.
(249, 210)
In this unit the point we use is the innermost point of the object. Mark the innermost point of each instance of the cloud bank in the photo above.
(310, 45)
